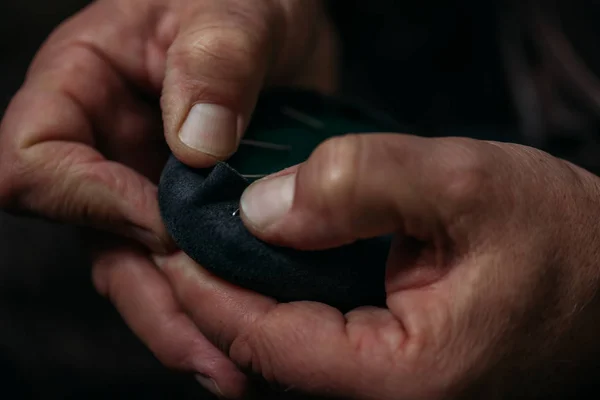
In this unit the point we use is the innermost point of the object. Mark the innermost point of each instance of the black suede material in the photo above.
(198, 208)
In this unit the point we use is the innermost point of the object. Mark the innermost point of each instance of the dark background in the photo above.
(59, 339)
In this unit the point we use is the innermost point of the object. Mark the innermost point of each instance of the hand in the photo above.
(82, 141)
(492, 281)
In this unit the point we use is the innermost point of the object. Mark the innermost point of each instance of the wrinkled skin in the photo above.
(83, 140)
(492, 281)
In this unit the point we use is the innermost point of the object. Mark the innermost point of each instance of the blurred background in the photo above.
(440, 69)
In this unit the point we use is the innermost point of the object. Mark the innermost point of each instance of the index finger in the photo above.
(76, 113)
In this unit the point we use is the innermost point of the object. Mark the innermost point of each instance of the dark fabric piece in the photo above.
(198, 207)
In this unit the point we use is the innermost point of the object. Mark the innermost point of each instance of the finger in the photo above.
(76, 113)
(307, 346)
(145, 301)
(49, 166)
(362, 186)
(221, 58)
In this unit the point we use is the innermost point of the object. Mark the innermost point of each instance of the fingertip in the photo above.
(235, 386)
(209, 384)
(210, 129)
(266, 202)
(210, 133)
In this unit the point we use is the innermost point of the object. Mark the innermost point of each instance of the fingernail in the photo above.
(211, 129)
(267, 200)
(210, 385)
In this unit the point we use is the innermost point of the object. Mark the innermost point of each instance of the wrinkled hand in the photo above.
(492, 280)
(82, 141)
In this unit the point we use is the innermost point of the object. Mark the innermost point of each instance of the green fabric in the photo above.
(301, 121)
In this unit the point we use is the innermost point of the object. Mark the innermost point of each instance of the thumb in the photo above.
(351, 187)
(217, 65)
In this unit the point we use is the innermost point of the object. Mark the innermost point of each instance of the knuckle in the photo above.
(71, 76)
(248, 350)
(253, 347)
(231, 52)
(465, 175)
(242, 351)
(336, 167)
